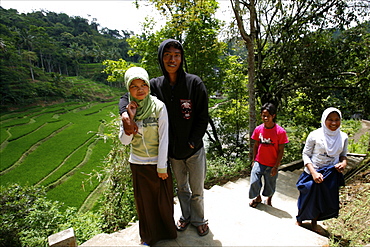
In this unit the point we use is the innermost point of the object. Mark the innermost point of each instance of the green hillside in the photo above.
(38, 49)
(57, 147)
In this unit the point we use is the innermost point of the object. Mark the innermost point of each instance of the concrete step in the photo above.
(230, 185)
(292, 175)
(286, 184)
(298, 171)
(233, 223)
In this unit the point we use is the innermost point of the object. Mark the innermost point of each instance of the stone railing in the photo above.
(64, 238)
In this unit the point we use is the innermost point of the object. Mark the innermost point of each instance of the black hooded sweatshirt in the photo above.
(187, 106)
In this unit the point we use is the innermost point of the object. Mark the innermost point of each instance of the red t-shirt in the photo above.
(269, 140)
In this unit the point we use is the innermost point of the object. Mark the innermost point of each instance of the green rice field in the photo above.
(56, 147)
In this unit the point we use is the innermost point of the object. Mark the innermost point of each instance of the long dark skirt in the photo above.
(319, 201)
(154, 203)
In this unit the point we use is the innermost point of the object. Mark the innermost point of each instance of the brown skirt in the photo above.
(154, 203)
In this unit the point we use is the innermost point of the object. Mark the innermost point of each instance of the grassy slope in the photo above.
(56, 145)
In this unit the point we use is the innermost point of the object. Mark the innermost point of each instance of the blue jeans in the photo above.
(190, 174)
(259, 171)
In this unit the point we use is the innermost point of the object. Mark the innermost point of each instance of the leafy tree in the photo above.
(145, 46)
(116, 70)
(289, 49)
(250, 39)
(323, 67)
(44, 42)
(193, 23)
(231, 114)
(354, 50)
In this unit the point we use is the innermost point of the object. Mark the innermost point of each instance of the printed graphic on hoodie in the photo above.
(186, 108)
(150, 121)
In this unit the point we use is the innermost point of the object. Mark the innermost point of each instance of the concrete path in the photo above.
(233, 223)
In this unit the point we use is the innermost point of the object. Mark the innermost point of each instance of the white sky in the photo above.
(117, 14)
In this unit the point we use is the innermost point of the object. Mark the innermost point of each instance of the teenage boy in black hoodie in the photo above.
(186, 99)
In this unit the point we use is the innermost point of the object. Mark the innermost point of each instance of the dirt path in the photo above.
(365, 127)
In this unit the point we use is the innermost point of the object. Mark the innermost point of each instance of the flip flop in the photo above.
(182, 225)
(202, 233)
(254, 203)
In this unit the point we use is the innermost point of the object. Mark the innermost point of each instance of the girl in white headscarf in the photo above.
(324, 157)
(151, 177)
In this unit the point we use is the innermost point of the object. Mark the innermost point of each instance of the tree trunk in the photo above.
(216, 140)
(31, 70)
(249, 40)
(252, 97)
(42, 61)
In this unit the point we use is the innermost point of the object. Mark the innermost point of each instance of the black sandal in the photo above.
(254, 203)
(202, 233)
(182, 225)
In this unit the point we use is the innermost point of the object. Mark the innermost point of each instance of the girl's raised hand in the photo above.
(131, 109)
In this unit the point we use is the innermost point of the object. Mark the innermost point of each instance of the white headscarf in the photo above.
(149, 103)
(333, 139)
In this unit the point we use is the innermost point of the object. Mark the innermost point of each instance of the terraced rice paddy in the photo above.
(56, 147)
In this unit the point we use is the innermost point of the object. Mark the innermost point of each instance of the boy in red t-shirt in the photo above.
(268, 151)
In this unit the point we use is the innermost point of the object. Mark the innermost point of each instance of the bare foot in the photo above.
(268, 201)
(314, 224)
(182, 225)
(203, 230)
(255, 202)
(318, 229)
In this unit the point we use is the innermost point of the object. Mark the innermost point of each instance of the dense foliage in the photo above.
(37, 47)
(27, 218)
(117, 203)
(321, 69)
(315, 48)
(203, 49)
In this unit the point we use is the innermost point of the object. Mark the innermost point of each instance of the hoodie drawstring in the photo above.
(146, 149)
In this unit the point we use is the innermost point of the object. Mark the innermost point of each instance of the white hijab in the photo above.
(333, 139)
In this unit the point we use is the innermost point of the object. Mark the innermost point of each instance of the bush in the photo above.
(118, 203)
(220, 170)
(28, 218)
(361, 146)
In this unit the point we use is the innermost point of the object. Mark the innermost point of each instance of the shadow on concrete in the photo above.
(190, 237)
(320, 230)
(274, 211)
